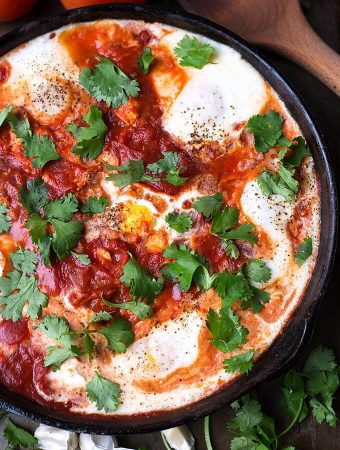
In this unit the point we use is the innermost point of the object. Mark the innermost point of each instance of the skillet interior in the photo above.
(287, 346)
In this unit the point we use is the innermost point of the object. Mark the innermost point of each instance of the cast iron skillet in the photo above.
(288, 345)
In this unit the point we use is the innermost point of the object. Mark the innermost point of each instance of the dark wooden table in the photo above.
(324, 15)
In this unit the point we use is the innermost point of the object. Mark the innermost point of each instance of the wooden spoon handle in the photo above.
(295, 39)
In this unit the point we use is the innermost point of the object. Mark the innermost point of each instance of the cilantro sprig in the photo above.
(281, 183)
(5, 220)
(20, 286)
(94, 205)
(193, 53)
(90, 139)
(142, 286)
(57, 213)
(180, 222)
(18, 437)
(139, 309)
(168, 165)
(145, 60)
(242, 362)
(40, 149)
(106, 82)
(304, 251)
(105, 393)
(226, 331)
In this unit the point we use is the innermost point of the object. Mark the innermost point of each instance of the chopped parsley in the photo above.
(40, 148)
(142, 286)
(18, 437)
(209, 205)
(267, 131)
(226, 331)
(90, 140)
(106, 394)
(58, 213)
(179, 222)
(187, 267)
(108, 83)
(242, 363)
(304, 251)
(193, 53)
(5, 220)
(94, 205)
(145, 60)
(168, 165)
(139, 309)
(20, 286)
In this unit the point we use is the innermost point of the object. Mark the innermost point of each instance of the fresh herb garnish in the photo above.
(145, 60)
(139, 309)
(179, 222)
(105, 393)
(18, 437)
(90, 140)
(242, 363)
(142, 286)
(108, 83)
(130, 172)
(168, 165)
(191, 52)
(58, 213)
(257, 271)
(20, 286)
(226, 331)
(209, 205)
(5, 113)
(94, 205)
(5, 220)
(304, 251)
(267, 131)
(83, 258)
(188, 267)
(298, 151)
(40, 148)
(282, 183)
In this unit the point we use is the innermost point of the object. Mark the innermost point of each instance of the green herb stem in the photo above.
(293, 422)
(207, 433)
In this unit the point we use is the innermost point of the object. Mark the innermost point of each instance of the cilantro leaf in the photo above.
(232, 287)
(118, 335)
(230, 248)
(145, 60)
(140, 283)
(55, 328)
(130, 172)
(304, 251)
(191, 52)
(20, 287)
(139, 309)
(227, 333)
(66, 236)
(257, 270)
(102, 316)
(37, 227)
(267, 131)
(294, 395)
(168, 165)
(108, 83)
(84, 259)
(188, 267)
(208, 205)
(242, 363)
(179, 222)
(323, 412)
(243, 232)
(40, 148)
(299, 151)
(257, 300)
(90, 140)
(248, 414)
(94, 205)
(320, 359)
(4, 113)
(57, 355)
(281, 183)
(104, 393)
(62, 209)
(89, 345)
(34, 196)
(5, 220)
(245, 443)
(17, 436)
(224, 220)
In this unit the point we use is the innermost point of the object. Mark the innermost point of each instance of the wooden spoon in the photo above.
(279, 25)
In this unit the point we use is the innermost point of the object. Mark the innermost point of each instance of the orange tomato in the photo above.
(13, 9)
(70, 4)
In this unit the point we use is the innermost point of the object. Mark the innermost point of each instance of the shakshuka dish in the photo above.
(159, 217)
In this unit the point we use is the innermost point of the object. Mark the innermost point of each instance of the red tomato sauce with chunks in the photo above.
(113, 214)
